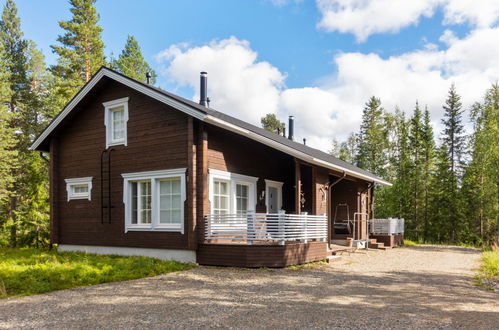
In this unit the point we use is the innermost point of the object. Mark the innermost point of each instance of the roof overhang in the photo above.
(196, 113)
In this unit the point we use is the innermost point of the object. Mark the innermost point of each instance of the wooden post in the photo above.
(54, 190)
(191, 186)
(297, 187)
(282, 227)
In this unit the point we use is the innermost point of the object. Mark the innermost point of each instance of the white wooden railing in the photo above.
(253, 227)
(390, 226)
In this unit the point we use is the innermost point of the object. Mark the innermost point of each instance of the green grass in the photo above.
(488, 273)
(31, 271)
(408, 242)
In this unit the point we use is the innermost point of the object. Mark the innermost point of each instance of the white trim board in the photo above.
(164, 254)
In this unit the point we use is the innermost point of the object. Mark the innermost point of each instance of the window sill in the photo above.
(70, 198)
(155, 229)
(116, 143)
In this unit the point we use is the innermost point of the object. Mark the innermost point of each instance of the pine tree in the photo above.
(81, 52)
(372, 138)
(131, 62)
(16, 62)
(272, 124)
(8, 153)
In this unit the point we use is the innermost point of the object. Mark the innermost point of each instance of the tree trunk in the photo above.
(13, 216)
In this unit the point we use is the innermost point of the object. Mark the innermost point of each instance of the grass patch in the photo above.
(309, 265)
(488, 273)
(408, 242)
(31, 271)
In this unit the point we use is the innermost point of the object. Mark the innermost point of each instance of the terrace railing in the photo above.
(390, 226)
(251, 228)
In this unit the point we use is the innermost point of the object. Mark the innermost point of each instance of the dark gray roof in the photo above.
(275, 137)
(299, 147)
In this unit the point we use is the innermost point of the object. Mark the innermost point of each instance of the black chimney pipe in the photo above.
(148, 77)
(291, 128)
(203, 99)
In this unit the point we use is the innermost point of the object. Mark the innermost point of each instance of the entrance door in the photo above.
(272, 206)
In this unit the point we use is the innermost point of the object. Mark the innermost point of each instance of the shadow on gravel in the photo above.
(325, 297)
(444, 248)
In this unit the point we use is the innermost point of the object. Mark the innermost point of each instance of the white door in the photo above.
(272, 206)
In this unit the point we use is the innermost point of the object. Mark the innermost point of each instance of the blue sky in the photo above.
(319, 60)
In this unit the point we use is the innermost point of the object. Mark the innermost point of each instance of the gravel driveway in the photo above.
(412, 287)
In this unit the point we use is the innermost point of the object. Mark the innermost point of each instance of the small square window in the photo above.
(79, 188)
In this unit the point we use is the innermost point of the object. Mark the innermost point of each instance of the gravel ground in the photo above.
(412, 287)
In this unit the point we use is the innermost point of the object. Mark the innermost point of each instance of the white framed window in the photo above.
(273, 196)
(79, 188)
(221, 197)
(231, 193)
(115, 120)
(154, 201)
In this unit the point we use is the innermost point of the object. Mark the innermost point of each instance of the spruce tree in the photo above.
(131, 62)
(481, 180)
(428, 149)
(372, 138)
(416, 171)
(81, 50)
(454, 140)
(453, 135)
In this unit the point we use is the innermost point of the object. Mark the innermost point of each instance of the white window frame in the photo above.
(73, 182)
(108, 118)
(155, 177)
(233, 179)
(273, 184)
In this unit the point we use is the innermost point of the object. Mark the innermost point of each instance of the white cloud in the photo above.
(364, 18)
(367, 17)
(237, 82)
(244, 87)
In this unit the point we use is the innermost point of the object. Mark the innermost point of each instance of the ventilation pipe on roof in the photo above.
(148, 77)
(204, 99)
(291, 127)
(304, 141)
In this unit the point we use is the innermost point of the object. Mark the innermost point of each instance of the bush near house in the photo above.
(31, 271)
(488, 274)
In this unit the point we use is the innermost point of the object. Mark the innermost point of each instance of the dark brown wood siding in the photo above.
(230, 152)
(157, 140)
(260, 255)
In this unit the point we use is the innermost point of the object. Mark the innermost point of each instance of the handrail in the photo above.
(251, 227)
(390, 226)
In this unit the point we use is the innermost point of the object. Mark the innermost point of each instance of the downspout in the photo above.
(369, 186)
(329, 186)
(44, 158)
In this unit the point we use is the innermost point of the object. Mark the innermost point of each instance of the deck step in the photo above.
(331, 259)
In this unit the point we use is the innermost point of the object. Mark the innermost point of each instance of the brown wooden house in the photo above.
(136, 170)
